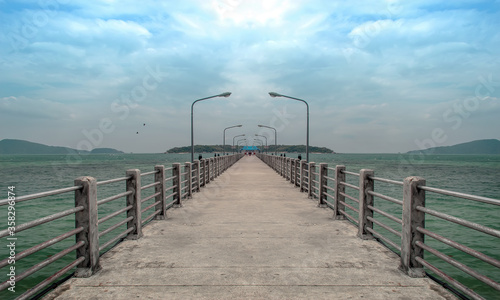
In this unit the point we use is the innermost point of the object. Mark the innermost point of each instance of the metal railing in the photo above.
(94, 229)
(399, 224)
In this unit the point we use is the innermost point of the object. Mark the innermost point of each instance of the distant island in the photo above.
(490, 146)
(12, 146)
(272, 148)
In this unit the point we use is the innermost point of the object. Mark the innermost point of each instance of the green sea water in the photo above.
(473, 174)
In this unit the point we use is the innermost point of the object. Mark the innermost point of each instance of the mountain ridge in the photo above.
(15, 146)
(485, 146)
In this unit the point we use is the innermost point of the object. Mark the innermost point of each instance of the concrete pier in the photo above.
(250, 235)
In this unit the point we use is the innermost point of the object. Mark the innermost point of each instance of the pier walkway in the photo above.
(249, 235)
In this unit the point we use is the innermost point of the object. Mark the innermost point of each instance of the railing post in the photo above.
(196, 166)
(209, 169)
(87, 218)
(177, 183)
(296, 172)
(311, 177)
(303, 165)
(323, 172)
(412, 219)
(160, 177)
(365, 184)
(292, 164)
(339, 188)
(134, 199)
(189, 178)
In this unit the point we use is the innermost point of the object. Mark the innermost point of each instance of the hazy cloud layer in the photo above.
(385, 76)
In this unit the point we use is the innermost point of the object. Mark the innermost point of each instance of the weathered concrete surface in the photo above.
(250, 235)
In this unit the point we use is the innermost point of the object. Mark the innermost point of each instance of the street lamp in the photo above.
(263, 137)
(234, 138)
(239, 141)
(275, 137)
(272, 94)
(226, 94)
(224, 138)
(260, 141)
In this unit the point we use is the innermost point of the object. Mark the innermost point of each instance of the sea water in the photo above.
(473, 174)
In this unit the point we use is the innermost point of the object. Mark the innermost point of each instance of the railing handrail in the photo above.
(411, 230)
(86, 188)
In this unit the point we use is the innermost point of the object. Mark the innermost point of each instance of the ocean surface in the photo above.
(472, 174)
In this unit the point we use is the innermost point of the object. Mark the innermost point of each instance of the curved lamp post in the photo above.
(260, 141)
(275, 137)
(239, 141)
(263, 137)
(272, 94)
(234, 138)
(224, 138)
(226, 94)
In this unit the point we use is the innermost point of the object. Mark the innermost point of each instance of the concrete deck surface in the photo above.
(250, 235)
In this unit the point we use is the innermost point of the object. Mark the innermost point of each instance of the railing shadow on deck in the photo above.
(93, 235)
(351, 196)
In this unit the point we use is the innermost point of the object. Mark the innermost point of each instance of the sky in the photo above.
(378, 76)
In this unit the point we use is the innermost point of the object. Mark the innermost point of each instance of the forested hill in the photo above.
(279, 148)
(490, 146)
(11, 146)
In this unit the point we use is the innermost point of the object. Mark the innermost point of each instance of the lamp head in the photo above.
(226, 94)
(273, 94)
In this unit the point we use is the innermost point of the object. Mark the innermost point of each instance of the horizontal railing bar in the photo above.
(384, 226)
(315, 195)
(116, 213)
(445, 276)
(41, 246)
(351, 207)
(43, 264)
(40, 195)
(170, 178)
(350, 173)
(329, 188)
(184, 195)
(185, 181)
(385, 214)
(43, 220)
(330, 168)
(170, 188)
(381, 196)
(315, 181)
(383, 238)
(349, 196)
(149, 206)
(150, 216)
(151, 196)
(331, 196)
(386, 180)
(471, 225)
(331, 206)
(174, 193)
(150, 185)
(460, 266)
(461, 195)
(330, 178)
(150, 173)
(461, 247)
(121, 235)
(108, 230)
(118, 196)
(349, 185)
(170, 204)
(169, 169)
(348, 216)
(113, 180)
(53, 277)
